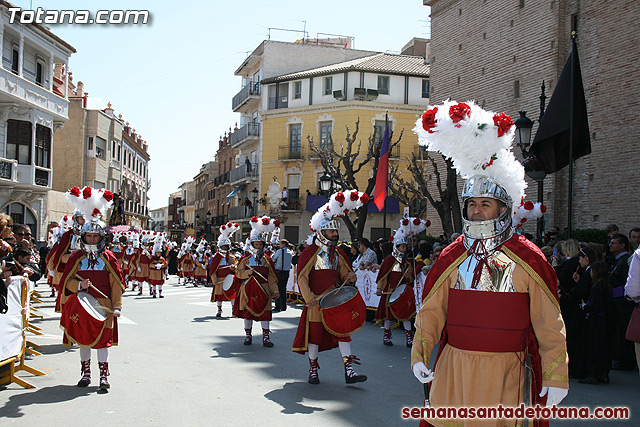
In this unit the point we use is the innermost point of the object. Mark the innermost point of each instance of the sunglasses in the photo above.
(23, 234)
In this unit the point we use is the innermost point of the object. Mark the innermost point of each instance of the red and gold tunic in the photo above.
(219, 269)
(389, 276)
(105, 275)
(57, 259)
(157, 268)
(142, 267)
(254, 302)
(315, 283)
(485, 335)
(200, 262)
(186, 265)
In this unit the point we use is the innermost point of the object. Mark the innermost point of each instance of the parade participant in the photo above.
(396, 270)
(68, 243)
(157, 267)
(95, 271)
(260, 283)
(200, 264)
(65, 224)
(322, 267)
(491, 298)
(141, 271)
(129, 259)
(186, 261)
(119, 245)
(222, 265)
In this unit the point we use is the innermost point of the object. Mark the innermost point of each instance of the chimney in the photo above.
(80, 89)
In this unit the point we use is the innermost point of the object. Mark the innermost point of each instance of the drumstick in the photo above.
(92, 287)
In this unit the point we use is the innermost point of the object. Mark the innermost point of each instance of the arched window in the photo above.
(20, 214)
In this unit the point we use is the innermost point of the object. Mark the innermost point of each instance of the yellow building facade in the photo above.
(299, 170)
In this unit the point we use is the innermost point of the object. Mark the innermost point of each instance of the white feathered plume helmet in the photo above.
(408, 227)
(189, 240)
(201, 246)
(158, 243)
(226, 230)
(340, 203)
(529, 211)
(261, 226)
(477, 141)
(147, 236)
(91, 203)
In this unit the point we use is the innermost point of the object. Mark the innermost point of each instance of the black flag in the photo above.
(551, 143)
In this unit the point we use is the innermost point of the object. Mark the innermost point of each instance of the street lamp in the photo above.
(532, 166)
(197, 220)
(523, 132)
(255, 199)
(325, 183)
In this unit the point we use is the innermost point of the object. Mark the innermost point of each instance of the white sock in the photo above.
(407, 325)
(264, 324)
(85, 354)
(248, 324)
(387, 324)
(313, 351)
(160, 288)
(103, 355)
(220, 305)
(345, 348)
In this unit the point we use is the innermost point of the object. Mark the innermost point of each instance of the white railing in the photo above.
(9, 169)
(22, 90)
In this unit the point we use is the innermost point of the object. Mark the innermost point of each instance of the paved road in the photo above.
(179, 365)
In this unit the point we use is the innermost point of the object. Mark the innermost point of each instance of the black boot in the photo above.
(104, 373)
(313, 371)
(265, 338)
(85, 370)
(386, 338)
(350, 376)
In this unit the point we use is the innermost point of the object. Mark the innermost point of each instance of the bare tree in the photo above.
(343, 164)
(447, 203)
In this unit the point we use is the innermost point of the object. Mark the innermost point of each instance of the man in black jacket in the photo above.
(623, 349)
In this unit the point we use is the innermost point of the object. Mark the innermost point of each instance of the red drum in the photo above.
(83, 319)
(343, 311)
(402, 302)
(256, 298)
(230, 286)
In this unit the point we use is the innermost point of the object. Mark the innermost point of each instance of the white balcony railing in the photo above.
(9, 169)
(23, 91)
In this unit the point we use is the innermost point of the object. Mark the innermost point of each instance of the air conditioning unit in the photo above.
(339, 95)
(360, 94)
(371, 94)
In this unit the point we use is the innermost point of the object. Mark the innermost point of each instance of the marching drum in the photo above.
(83, 319)
(402, 302)
(255, 296)
(343, 311)
(230, 286)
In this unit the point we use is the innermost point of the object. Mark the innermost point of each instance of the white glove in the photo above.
(116, 312)
(422, 373)
(555, 395)
(139, 269)
(126, 262)
(51, 273)
(126, 277)
(158, 266)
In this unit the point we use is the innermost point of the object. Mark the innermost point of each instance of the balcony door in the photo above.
(295, 140)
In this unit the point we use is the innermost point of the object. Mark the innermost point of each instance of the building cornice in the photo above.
(343, 106)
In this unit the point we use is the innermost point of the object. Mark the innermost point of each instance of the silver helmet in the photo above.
(92, 227)
(327, 224)
(484, 186)
(396, 243)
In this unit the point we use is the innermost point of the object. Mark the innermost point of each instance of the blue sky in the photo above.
(172, 78)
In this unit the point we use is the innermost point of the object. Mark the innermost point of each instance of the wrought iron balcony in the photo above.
(250, 92)
(245, 132)
(290, 152)
(243, 172)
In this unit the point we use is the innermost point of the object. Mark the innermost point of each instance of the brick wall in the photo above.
(481, 48)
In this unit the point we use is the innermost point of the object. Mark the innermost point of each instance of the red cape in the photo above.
(61, 248)
(385, 267)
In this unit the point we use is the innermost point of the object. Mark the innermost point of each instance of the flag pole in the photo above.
(384, 216)
(571, 120)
